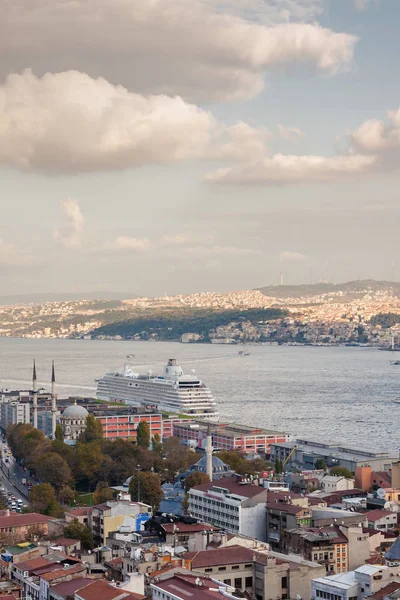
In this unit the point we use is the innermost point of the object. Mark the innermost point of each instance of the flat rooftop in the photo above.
(336, 449)
(230, 429)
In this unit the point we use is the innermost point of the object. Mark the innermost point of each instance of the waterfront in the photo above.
(324, 393)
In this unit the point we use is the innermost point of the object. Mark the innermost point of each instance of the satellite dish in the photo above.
(381, 493)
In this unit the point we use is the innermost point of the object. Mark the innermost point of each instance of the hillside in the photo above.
(349, 289)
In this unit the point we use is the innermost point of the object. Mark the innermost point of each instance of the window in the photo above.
(238, 582)
(221, 568)
(227, 581)
(235, 567)
(248, 582)
(208, 570)
(284, 583)
(248, 566)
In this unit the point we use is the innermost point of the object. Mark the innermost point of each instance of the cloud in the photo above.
(69, 122)
(12, 255)
(282, 169)
(202, 50)
(241, 142)
(124, 242)
(70, 235)
(180, 239)
(292, 256)
(289, 133)
(207, 251)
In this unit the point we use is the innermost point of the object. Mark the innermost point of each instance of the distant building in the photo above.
(330, 483)
(109, 516)
(190, 338)
(73, 421)
(12, 412)
(45, 421)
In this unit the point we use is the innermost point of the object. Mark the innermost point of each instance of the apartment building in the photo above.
(383, 520)
(109, 516)
(229, 436)
(12, 412)
(361, 583)
(233, 505)
(182, 585)
(330, 484)
(21, 527)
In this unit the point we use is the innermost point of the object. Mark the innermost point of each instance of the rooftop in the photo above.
(187, 527)
(375, 515)
(222, 556)
(103, 590)
(68, 588)
(190, 586)
(393, 554)
(391, 587)
(232, 486)
(342, 581)
(20, 520)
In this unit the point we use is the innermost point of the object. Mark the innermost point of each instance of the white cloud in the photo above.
(281, 169)
(241, 142)
(207, 251)
(69, 122)
(12, 255)
(124, 242)
(202, 50)
(180, 239)
(292, 256)
(289, 133)
(70, 235)
(376, 135)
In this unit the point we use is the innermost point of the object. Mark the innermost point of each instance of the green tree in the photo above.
(320, 464)
(143, 434)
(102, 493)
(195, 478)
(146, 488)
(89, 459)
(43, 499)
(59, 434)
(53, 469)
(278, 468)
(341, 472)
(66, 495)
(93, 431)
(156, 443)
(233, 459)
(77, 531)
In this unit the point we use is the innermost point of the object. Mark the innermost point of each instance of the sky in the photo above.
(168, 146)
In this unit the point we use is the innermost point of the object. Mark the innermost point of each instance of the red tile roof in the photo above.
(248, 490)
(31, 565)
(375, 515)
(101, 589)
(391, 587)
(65, 572)
(222, 556)
(62, 541)
(68, 588)
(17, 520)
(80, 512)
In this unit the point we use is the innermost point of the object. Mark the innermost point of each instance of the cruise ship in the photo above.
(172, 392)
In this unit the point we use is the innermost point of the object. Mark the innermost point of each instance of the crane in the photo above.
(289, 456)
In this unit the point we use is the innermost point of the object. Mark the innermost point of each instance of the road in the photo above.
(11, 475)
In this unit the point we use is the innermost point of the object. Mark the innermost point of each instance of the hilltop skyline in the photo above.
(175, 151)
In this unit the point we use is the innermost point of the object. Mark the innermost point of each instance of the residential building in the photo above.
(66, 589)
(264, 575)
(12, 412)
(307, 452)
(106, 590)
(281, 516)
(181, 586)
(82, 515)
(331, 484)
(24, 527)
(381, 519)
(361, 583)
(234, 505)
(107, 517)
(322, 517)
(229, 436)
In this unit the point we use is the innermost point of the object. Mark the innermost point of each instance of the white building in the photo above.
(354, 585)
(383, 520)
(184, 585)
(12, 412)
(330, 484)
(232, 505)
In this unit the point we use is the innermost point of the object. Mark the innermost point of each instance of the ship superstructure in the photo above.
(172, 392)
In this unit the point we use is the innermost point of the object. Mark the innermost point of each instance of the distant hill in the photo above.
(349, 288)
(63, 297)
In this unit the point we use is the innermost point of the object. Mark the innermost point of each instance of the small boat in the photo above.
(396, 400)
(244, 353)
(395, 362)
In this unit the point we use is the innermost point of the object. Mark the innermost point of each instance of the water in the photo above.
(339, 394)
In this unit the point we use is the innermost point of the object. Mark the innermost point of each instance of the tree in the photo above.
(233, 459)
(43, 498)
(341, 472)
(320, 464)
(66, 495)
(59, 434)
(53, 469)
(278, 466)
(93, 431)
(102, 493)
(195, 478)
(156, 443)
(143, 434)
(146, 487)
(77, 531)
(89, 458)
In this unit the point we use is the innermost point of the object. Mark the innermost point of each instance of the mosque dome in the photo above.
(220, 469)
(75, 412)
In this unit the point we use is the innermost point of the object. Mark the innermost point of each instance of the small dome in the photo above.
(75, 412)
(217, 465)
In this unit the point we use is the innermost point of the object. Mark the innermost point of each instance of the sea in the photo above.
(338, 394)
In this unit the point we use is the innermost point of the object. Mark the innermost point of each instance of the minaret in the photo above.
(209, 454)
(34, 389)
(53, 401)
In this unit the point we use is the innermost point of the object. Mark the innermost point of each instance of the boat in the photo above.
(396, 401)
(172, 392)
(244, 353)
(395, 362)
